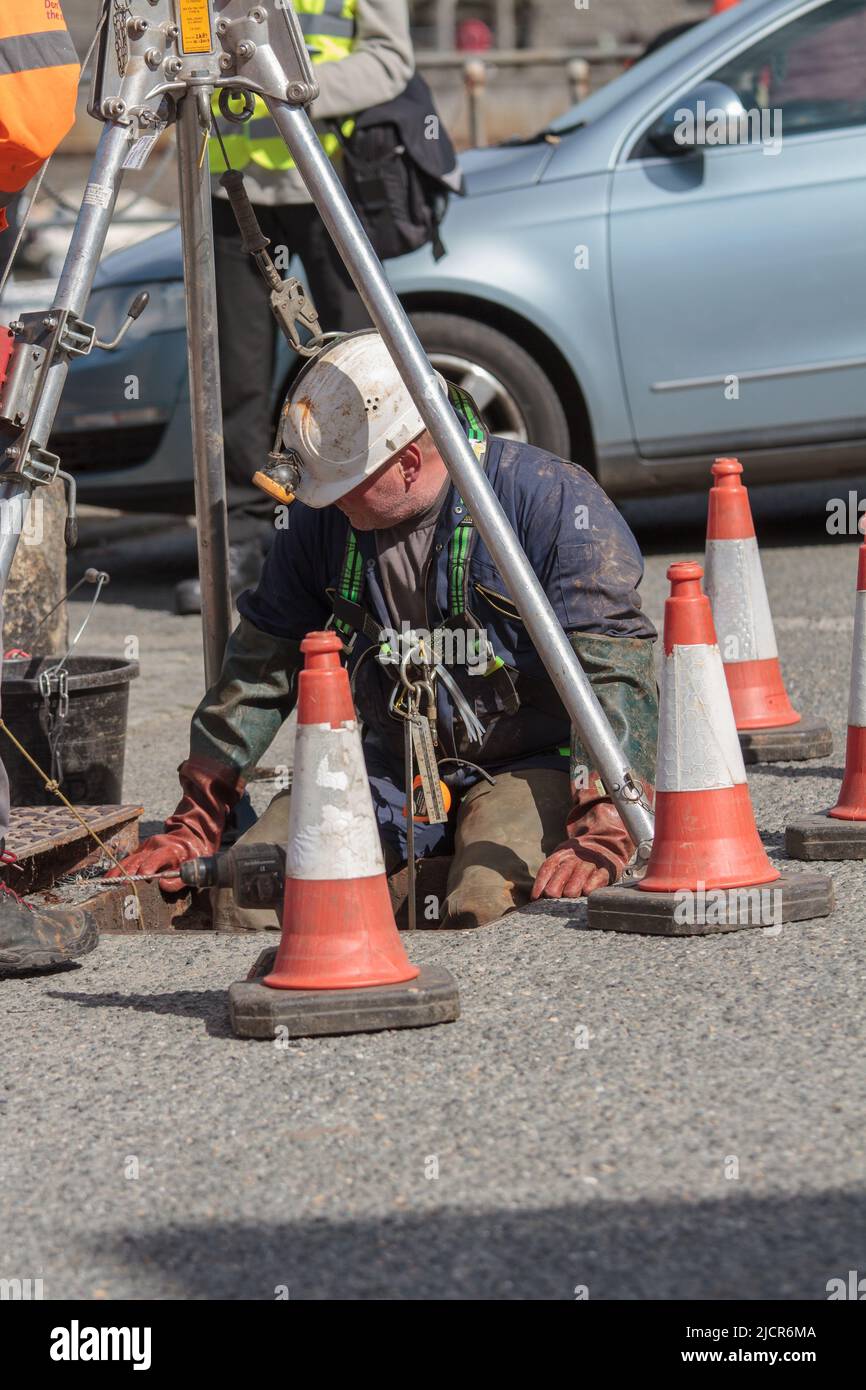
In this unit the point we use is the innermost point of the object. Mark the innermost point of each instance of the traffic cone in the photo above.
(769, 727)
(340, 965)
(851, 804)
(705, 832)
(840, 833)
(338, 927)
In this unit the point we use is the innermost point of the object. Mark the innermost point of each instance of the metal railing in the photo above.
(477, 67)
(594, 54)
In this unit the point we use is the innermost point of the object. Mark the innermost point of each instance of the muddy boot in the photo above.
(31, 940)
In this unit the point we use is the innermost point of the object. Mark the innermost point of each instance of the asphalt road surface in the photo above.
(706, 1142)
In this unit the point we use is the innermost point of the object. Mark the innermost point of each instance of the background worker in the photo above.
(363, 56)
(38, 85)
(380, 537)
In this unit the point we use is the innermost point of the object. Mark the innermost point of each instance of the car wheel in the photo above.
(515, 397)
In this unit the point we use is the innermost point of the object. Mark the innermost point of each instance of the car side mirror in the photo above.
(710, 114)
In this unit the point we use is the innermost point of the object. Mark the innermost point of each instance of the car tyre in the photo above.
(515, 396)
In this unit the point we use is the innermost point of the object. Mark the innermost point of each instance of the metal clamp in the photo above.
(55, 681)
(42, 337)
(291, 306)
(76, 338)
(260, 48)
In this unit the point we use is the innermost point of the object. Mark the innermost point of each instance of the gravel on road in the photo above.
(638, 1118)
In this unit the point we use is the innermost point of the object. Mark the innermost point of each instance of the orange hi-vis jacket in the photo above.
(38, 84)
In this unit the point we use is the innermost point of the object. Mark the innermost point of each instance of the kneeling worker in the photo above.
(380, 544)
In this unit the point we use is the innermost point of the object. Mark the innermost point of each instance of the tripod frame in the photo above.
(159, 61)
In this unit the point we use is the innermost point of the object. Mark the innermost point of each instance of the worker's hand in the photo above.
(567, 874)
(162, 855)
(597, 850)
(210, 791)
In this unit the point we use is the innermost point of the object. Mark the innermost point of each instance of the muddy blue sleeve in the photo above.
(255, 692)
(621, 671)
(583, 551)
(590, 564)
(289, 599)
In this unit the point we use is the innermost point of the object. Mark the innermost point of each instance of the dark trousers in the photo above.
(247, 333)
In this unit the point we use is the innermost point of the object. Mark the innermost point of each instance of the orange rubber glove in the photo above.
(597, 850)
(210, 792)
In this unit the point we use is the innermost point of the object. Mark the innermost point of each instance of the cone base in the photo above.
(810, 738)
(257, 1011)
(706, 839)
(851, 809)
(852, 793)
(339, 934)
(758, 695)
(791, 898)
(820, 837)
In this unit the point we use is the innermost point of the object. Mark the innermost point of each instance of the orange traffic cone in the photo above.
(770, 728)
(340, 964)
(840, 833)
(705, 832)
(338, 927)
(852, 795)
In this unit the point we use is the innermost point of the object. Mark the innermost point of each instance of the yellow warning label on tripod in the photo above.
(195, 35)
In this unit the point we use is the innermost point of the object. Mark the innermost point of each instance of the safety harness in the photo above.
(350, 616)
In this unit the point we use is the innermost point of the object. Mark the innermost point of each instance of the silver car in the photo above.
(675, 268)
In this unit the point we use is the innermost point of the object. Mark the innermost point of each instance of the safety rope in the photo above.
(219, 137)
(53, 787)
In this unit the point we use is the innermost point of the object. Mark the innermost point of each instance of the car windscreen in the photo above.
(646, 70)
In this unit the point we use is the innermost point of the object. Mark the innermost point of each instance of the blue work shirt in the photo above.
(575, 540)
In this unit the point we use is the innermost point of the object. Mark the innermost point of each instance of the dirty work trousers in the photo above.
(501, 836)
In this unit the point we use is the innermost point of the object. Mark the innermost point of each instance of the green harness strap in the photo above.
(458, 568)
(351, 580)
(462, 402)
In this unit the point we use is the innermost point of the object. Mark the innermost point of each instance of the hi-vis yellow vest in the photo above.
(329, 32)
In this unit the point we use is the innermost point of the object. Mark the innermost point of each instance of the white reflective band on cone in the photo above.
(857, 698)
(734, 584)
(332, 824)
(698, 745)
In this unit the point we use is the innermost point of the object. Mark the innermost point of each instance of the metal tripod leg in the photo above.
(390, 318)
(204, 377)
(73, 292)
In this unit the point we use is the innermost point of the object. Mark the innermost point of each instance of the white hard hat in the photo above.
(347, 413)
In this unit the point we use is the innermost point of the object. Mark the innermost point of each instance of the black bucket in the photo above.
(94, 730)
